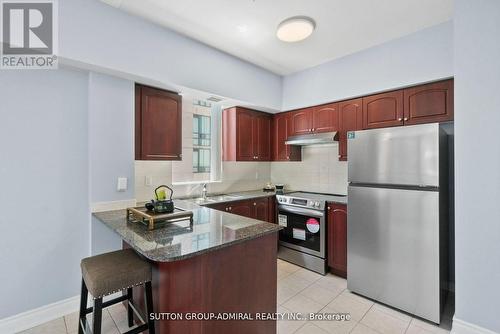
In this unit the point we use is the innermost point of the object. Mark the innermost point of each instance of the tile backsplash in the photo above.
(235, 176)
(319, 171)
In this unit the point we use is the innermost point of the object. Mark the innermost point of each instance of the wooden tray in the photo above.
(151, 219)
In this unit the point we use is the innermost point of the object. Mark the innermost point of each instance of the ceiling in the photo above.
(247, 28)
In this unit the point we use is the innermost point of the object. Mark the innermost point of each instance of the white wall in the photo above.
(477, 169)
(111, 149)
(43, 187)
(319, 171)
(422, 56)
(111, 136)
(99, 35)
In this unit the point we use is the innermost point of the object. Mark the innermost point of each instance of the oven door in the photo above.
(303, 229)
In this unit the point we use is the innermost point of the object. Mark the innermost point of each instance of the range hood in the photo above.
(312, 139)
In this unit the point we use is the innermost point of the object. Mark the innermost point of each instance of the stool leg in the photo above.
(97, 316)
(149, 307)
(130, 312)
(83, 306)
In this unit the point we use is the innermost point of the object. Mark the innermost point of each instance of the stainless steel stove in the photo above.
(303, 237)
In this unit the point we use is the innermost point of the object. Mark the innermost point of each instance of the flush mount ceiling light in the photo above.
(295, 29)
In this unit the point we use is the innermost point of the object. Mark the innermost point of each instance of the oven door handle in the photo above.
(301, 211)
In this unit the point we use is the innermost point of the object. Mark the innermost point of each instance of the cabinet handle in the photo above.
(230, 208)
(254, 203)
(227, 209)
(328, 208)
(288, 157)
(400, 119)
(406, 118)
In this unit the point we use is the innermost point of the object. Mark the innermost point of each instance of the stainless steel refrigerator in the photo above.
(397, 217)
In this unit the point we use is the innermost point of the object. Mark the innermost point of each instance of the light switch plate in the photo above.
(121, 184)
(148, 181)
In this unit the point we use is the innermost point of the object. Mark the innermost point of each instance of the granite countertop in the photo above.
(211, 230)
(230, 197)
(243, 195)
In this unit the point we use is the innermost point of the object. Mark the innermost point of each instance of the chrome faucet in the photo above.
(204, 192)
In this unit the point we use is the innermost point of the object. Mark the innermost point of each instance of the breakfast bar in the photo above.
(219, 265)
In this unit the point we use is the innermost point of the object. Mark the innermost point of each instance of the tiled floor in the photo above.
(299, 290)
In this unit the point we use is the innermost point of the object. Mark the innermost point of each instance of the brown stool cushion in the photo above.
(112, 272)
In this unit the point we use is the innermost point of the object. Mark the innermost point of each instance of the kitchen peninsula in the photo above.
(220, 263)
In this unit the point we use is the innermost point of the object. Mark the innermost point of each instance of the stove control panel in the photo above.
(300, 202)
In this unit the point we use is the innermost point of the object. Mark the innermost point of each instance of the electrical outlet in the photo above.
(121, 184)
(148, 181)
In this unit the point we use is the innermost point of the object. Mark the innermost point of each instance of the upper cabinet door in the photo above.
(351, 115)
(325, 118)
(301, 121)
(245, 135)
(281, 151)
(263, 139)
(160, 125)
(280, 137)
(429, 103)
(350, 119)
(383, 110)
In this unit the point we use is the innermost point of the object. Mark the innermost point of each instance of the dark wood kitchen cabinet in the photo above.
(256, 208)
(325, 118)
(429, 103)
(383, 110)
(158, 124)
(301, 121)
(281, 132)
(337, 238)
(350, 119)
(246, 135)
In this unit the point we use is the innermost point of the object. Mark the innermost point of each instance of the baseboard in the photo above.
(46, 313)
(464, 327)
(113, 205)
(38, 316)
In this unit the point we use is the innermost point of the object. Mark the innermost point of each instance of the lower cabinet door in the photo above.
(337, 239)
(242, 208)
(261, 207)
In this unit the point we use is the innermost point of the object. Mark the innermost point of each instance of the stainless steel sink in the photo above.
(222, 198)
(216, 198)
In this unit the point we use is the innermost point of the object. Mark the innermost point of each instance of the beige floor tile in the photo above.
(443, 328)
(119, 315)
(302, 304)
(362, 329)
(336, 327)
(320, 294)
(71, 322)
(287, 266)
(307, 275)
(310, 328)
(393, 312)
(282, 274)
(285, 293)
(384, 323)
(288, 326)
(108, 324)
(295, 283)
(349, 303)
(56, 326)
(333, 282)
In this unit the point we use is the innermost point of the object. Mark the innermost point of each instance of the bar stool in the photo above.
(108, 273)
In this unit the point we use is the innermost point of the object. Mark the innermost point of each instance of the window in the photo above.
(201, 143)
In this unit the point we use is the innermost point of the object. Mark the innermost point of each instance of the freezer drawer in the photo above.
(393, 248)
(406, 155)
